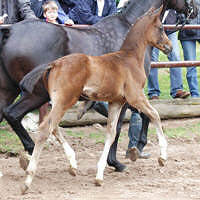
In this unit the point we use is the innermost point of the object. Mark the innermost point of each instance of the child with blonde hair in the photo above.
(51, 12)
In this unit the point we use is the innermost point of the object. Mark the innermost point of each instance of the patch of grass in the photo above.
(179, 132)
(9, 142)
(98, 137)
(75, 134)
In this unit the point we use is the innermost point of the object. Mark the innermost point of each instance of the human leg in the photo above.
(175, 73)
(189, 51)
(153, 85)
(138, 127)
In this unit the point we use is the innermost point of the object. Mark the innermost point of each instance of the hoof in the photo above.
(161, 161)
(72, 171)
(24, 188)
(98, 182)
(120, 168)
(133, 154)
(23, 161)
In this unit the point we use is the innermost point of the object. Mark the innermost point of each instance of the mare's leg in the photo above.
(86, 106)
(113, 115)
(112, 160)
(143, 134)
(16, 111)
(144, 106)
(48, 126)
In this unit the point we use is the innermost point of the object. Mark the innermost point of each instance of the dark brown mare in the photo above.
(117, 77)
(29, 44)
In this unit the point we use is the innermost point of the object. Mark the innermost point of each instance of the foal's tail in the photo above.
(29, 81)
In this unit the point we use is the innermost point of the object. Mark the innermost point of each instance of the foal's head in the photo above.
(148, 30)
(155, 33)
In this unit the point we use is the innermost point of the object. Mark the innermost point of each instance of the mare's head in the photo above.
(188, 7)
(154, 31)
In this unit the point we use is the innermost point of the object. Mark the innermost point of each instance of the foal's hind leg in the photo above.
(142, 104)
(113, 115)
(70, 154)
(48, 126)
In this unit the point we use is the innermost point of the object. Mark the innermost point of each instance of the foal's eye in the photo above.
(161, 28)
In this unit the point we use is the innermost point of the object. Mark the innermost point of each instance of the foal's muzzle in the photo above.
(167, 49)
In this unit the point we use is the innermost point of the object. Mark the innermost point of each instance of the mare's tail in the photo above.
(29, 81)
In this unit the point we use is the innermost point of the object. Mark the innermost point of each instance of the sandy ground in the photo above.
(143, 179)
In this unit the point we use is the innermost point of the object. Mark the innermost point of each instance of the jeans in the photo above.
(176, 82)
(189, 51)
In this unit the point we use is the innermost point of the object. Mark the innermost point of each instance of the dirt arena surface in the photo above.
(143, 179)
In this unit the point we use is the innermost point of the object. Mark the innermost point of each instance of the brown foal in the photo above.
(117, 77)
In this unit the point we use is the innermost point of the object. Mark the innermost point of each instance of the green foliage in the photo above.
(179, 132)
(9, 142)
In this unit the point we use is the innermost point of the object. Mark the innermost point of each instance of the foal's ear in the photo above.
(151, 10)
(158, 11)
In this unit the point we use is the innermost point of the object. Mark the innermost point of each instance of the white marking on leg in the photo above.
(1, 174)
(102, 161)
(162, 143)
(154, 117)
(31, 171)
(113, 116)
(161, 137)
(70, 154)
(28, 180)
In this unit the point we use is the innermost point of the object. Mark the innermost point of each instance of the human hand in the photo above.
(69, 21)
(1, 19)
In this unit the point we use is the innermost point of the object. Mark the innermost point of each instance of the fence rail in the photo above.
(187, 26)
(171, 64)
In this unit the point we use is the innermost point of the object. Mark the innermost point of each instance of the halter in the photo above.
(189, 9)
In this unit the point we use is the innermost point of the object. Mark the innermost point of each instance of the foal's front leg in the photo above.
(113, 115)
(143, 105)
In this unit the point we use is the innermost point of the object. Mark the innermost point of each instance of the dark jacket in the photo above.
(63, 8)
(17, 10)
(191, 34)
(171, 18)
(86, 11)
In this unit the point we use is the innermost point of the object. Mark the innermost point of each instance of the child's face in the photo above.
(51, 14)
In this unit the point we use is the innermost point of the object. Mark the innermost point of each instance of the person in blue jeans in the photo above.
(176, 83)
(188, 39)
